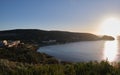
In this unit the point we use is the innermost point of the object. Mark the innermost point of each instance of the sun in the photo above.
(110, 26)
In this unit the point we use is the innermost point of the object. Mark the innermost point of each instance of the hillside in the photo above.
(41, 36)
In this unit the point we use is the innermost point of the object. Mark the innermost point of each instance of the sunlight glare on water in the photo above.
(111, 50)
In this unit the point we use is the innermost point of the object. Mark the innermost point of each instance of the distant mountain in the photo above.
(34, 35)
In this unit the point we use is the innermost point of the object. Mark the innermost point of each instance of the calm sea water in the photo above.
(85, 51)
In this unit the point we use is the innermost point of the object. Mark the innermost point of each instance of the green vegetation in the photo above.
(26, 55)
(23, 61)
(90, 68)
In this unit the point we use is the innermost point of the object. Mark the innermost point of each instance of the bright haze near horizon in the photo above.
(92, 16)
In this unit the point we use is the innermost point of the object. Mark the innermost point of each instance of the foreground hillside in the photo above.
(25, 55)
(23, 61)
(90, 68)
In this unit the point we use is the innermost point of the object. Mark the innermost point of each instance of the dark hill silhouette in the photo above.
(105, 37)
(35, 35)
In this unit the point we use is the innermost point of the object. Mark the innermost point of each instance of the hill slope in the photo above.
(39, 36)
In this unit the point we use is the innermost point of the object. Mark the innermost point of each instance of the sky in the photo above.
(64, 15)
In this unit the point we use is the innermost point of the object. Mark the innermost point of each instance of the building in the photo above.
(9, 43)
(49, 41)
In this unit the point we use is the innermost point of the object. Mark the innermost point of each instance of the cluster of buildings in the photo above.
(9, 43)
(49, 41)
